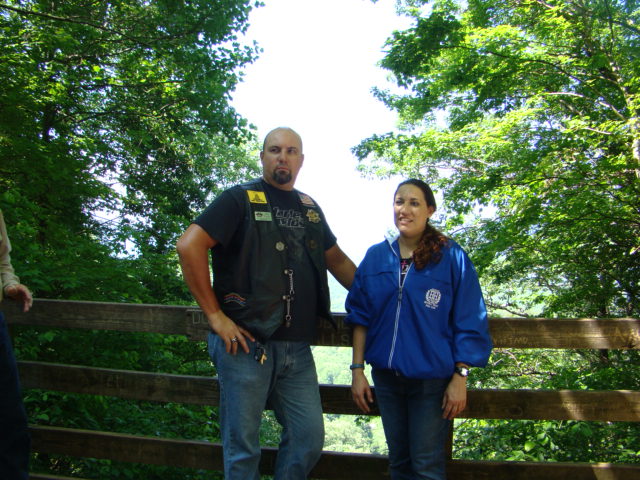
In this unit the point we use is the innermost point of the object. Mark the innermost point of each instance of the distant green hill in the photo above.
(338, 295)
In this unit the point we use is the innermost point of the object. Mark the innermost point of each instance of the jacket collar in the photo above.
(392, 240)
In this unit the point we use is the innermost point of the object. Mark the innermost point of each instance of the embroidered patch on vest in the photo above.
(307, 200)
(256, 197)
(262, 216)
(235, 298)
(313, 216)
(432, 298)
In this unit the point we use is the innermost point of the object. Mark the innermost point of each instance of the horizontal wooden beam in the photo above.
(125, 317)
(614, 406)
(46, 476)
(483, 470)
(126, 448)
(131, 385)
(332, 465)
(610, 405)
(596, 333)
(607, 333)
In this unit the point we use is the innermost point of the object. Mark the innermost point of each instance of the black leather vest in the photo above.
(251, 282)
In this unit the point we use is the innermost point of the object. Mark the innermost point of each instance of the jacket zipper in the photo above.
(397, 319)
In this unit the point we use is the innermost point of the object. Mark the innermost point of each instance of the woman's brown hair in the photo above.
(430, 246)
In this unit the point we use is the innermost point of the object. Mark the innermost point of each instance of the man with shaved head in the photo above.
(270, 249)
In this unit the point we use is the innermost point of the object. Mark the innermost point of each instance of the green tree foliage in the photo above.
(541, 128)
(127, 351)
(115, 127)
(545, 440)
(524, 114)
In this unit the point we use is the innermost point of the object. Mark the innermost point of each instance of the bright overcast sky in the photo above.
(315, 75)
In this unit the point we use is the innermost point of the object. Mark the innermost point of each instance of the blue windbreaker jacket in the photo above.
(423, 327)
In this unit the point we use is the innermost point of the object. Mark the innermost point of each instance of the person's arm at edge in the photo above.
(9, 282)
(193, 250)
(360, 389)
(21, 294)
(340, 266)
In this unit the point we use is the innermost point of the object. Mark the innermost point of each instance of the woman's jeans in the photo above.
(286, 382)
(416, 433)
(15, 441)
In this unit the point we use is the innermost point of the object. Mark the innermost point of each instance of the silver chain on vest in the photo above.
(289, 297)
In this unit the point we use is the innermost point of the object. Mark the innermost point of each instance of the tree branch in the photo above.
(507, 308)
(56, 18)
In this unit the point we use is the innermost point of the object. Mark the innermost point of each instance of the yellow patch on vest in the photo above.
(256, 197)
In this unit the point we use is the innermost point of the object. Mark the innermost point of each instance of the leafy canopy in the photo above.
(541, 129)
(115, 127)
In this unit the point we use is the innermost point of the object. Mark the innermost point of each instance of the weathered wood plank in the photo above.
(615, 406)
(332, 465)
(508, 404)
(126, 317)
(603, 333)
(595, 333)
(126, 448)
(610, 405)
(132, 385)
(481, 470)
(47, 476)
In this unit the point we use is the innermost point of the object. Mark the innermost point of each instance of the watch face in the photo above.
(463, 371)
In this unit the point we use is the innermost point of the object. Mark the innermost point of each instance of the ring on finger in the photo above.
(234, 340)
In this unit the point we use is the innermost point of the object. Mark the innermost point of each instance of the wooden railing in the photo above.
(611, 406)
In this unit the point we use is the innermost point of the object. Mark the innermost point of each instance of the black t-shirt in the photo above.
(223, 221)
(405, 263)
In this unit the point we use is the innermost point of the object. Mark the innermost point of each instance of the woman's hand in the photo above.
(360, 390)
(455, 397)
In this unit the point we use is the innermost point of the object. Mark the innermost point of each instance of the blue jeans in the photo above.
(287, 382)
(15, 441)
(416, 433)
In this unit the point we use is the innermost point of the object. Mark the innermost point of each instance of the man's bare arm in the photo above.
(340, 266)
(193, 249)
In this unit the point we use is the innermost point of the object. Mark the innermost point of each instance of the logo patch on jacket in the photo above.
(256, 197)
(235, 298)
(432, 298)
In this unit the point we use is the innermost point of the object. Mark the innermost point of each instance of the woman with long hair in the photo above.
(420, 321)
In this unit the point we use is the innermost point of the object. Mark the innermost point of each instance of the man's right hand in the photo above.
(231, 333)
(193, 249)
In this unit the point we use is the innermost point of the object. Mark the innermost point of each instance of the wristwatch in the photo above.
(462, 371)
